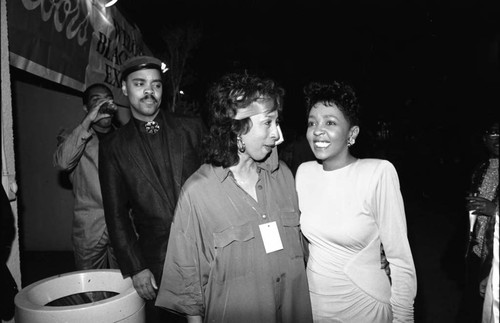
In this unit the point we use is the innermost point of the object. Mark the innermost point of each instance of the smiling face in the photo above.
(144, 89)
(327, 133)
(263, 134)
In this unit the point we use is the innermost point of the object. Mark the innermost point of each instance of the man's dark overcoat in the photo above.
(138, 204)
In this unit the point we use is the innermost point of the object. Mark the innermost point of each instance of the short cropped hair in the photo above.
(86, 93)
(335, 93)
(232, 92)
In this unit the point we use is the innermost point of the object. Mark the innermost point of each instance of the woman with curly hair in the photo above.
(235, 250)
(350, 208)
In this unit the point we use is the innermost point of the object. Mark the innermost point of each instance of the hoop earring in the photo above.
(241, 145)
(351, 141)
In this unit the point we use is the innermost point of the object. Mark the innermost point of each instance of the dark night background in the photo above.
(427, 74)
(424, 60)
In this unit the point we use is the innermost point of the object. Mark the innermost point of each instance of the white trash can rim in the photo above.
(32, 300)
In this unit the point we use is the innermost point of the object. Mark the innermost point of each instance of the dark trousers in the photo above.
(471, 305)
(156, 314)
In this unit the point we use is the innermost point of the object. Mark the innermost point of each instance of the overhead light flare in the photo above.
(110, 3)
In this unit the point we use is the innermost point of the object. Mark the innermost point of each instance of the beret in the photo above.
(138, 63)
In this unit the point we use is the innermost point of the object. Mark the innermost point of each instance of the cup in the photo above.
(472, 216)
(108, 107)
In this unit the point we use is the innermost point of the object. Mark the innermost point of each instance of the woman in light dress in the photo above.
(352, 212)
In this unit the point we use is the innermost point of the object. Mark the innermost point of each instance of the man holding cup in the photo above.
(77, 154)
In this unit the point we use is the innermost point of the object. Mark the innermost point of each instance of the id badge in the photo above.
(271, 237)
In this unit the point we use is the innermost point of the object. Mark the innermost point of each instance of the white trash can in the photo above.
(126, 306)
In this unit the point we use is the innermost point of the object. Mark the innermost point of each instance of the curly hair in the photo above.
(232, 92)
(340, 94)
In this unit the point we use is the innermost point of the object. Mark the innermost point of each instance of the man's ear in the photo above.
(124, 88)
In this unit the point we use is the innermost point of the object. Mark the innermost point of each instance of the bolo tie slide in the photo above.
(152, 127)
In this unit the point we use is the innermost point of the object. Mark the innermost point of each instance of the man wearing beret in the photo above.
(142, 168)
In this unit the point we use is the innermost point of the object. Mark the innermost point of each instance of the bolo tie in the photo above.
(152, 127)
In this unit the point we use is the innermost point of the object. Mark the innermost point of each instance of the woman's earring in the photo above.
(241, 145)
(351, 141)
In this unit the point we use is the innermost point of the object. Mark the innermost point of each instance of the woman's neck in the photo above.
(337, 163)
(245, 168)
(245, 175)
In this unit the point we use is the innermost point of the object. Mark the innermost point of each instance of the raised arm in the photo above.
(70, 148)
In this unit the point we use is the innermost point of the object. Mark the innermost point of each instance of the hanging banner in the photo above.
(114, 41)
(72, 42)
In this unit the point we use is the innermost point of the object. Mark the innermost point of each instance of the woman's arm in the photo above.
(391, 219)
